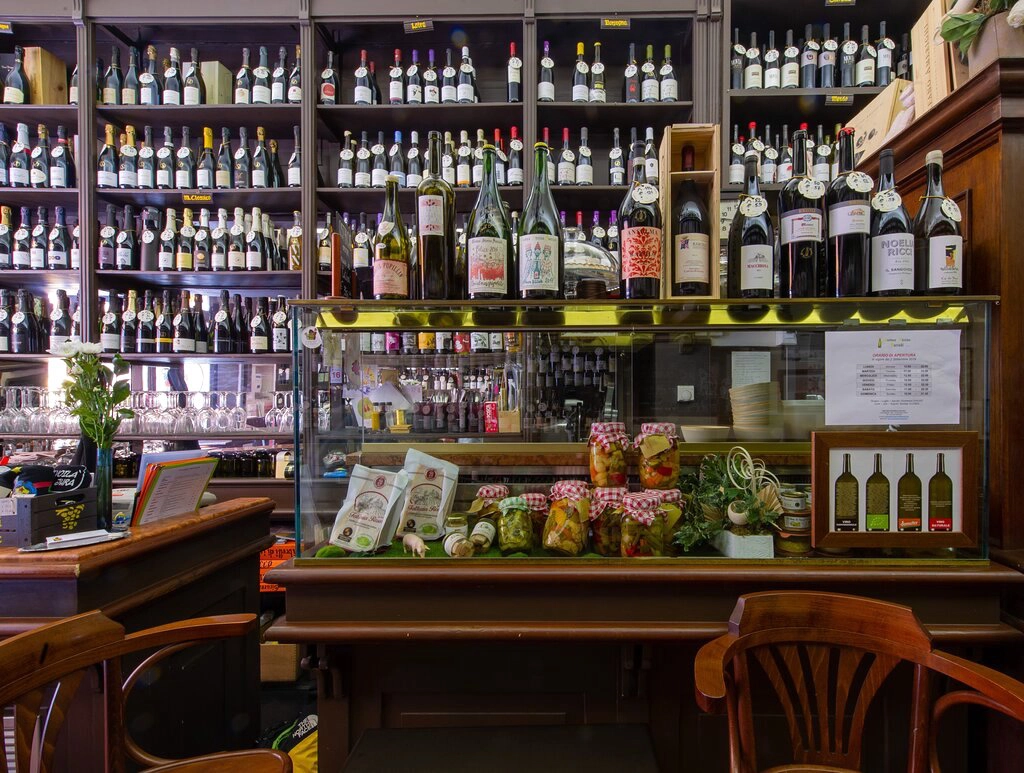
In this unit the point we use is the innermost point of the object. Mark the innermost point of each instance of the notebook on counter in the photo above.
(172, 488)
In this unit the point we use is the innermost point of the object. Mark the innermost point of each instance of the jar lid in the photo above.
(607, 433)
(570, 489)
(603, 498)
(512, 503)
(492, 492)
(641, 507)
(667, 495)
(665, 428)
(536, 501)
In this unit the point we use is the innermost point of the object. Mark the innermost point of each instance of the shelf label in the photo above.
(839, 99)
(200, 198)
(840, 3)
(418, 25)
(6, 28)
(616, 23)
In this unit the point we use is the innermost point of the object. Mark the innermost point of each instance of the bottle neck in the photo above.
(490, 179)
(935, 180)
(846, 152)
(541, 165)
(391, 201)
(750, 166)
(941, 463)
(800, 156)
(910, 462)
(886, 176)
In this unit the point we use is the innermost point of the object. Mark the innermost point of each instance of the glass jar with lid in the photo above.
(608, 445)
(538, 504)
(565, 531)
(642, 529)
(606, 520)
(659, 455)
(670, 509)
(515, 528)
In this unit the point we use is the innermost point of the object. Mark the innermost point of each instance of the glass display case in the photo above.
(511, 393)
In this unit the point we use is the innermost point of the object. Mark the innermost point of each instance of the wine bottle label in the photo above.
(123, 257)
(14, 96)
(57, 259)
(38, 176)
(294, 94)
(146, 316)
(669, 89)
(598, 95)
(165, 260)
(772, 77)
(810, 188)
(649, 89)
(849, 217)
(884, 58)
(37, 257)
(204, 178)
(107, 319)
(110, 342)
(860, 182)
(756, 267)
(464, 92)
(395, 88)
(645, 193)
(391, 277)
(892, 262)
(104, 179)
(651, 170)
(566, 173)
(538, 262)
(585, 175)
(753, 206)
(254, 260)
(362, 179)
(172, 97)
(827, 58)
(184, 345)
(580, 93)
(413, 180)
(431, 94)
(294, 177)
(448, 174)
(241, 96)
(363, 95)
(378, 178)
(21, 258)
(802, 225)
(691, 258)
(945, 262)
(546, 91)
(487, 265)
(128, 316)
(280, 339)
(735, 174)
(414, 93)
(478, 174)
(76, 258)
(515, 70)
(430, 215)
(641, 252)
(515, 176)
(277, 89)
(259, 178)
(144, 178)
(865, 72)
(752, 77)
(192, 95)
(260, 95)
(463, 173)
(184, 261)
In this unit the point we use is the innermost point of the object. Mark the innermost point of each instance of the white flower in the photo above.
(90, 348)
(65, 349)
(1016, 17)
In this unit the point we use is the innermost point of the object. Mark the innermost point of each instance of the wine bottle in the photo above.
(280, 341)
(261, 93)
(164, 325)
(431, 89)
(194, 92)
(224, 336)
(185, 162)
(110, 323)
(145, 162)
(294, 83)
(414, 175)
(821, 168)
(391, 250)
(396, 160)
(76, 247)
(584, 161)
(847, 499)
(396, 86)
(790, 63)
(751, 268)
(184, 256)
(884, 48)
(489, 257)
(60, 319)
(736, 157)
(892, 235)
(540, 237)
(244, 81)
(184, 337)
(145, 329)
(346, 162)
(802, 255)
(128, 161)
(908, 499)
(165, 162)
(129, 325)
(6, 240)
(448, 160)
(150, 87)
(903, 63)
(294, 177)
(16, 88)
(753, 67)
(167, 250)
(598, 91)
(809, 59)
(435, 220)
(148, 240)
(827, 58)
(260, 161)
(39, 164)
(463, 168)
(649, 87)
(172, 92)
(616, 167)
(41, 310)
(363, 176)
(691, 237)
(126, 250)
(24, 327)
(106, 166)
(864, 74)
(279, 78)
(106, 251)
(849, 225)
(6, 312)
(580, 77)
(940, 497)
(329, 82)
(255, 249)
(21, 256)
(206, 166)
(876, 495)
(361, 261)
(449, 86)
(5, 157)
(37, 247)
(219, 238)
(202, 242)
(200, 331)
(259, 329)
(379, 172)
(242, 174)
(641, 237)
(566, 171)
(769, 158)
(58, 246)
(414, 81)
(772, 70)
(466, 90)
(19, 162)
(938, 240)
(325, 250)
(834, 160)
(651, 168)
(546, 81)
(847, 58)
(737, 57)
(552, 167)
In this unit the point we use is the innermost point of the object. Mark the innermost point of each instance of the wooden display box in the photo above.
(279, 662)
(47, 77)
(219, 83)
(933, 69)
(705, 140)
(872, 124)
(29, 520)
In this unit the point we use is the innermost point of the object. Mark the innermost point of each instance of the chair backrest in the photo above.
(825, 656)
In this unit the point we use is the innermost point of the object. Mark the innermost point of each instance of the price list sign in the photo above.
(882, 378)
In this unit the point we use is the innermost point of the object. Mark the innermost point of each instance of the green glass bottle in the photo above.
(541, 246)
(391, 250)
(490, 270)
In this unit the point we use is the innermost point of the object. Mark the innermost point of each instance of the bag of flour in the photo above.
(369, 515)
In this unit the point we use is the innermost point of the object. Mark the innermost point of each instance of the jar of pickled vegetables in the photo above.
(643, 534)
(670, 509)
(659, 455)
(608, 445)
(515, 528)
(606, 520)
(538, 504)
(565, 530)
(486, 502)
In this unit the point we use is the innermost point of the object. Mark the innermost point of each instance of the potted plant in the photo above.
(985, 31)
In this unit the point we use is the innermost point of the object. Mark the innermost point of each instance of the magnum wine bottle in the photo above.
(802, 269)
(892, 235)
(847, 499)
(435, 221)
(940, 498)
(751, 268)
(541, 239)
(640, 236)
(908, 499)
(391, 250)
(939, 243)
(490, 272)
(876, 495)
(849, 225)
(691, 237)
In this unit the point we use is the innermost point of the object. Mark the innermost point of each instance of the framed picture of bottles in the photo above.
(895, 489)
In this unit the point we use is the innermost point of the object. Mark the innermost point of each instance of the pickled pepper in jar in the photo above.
(605, 520)
(642, 530)
(565, 531)
(659, 455)
(608, 445)
(538, 504)
(515, 528)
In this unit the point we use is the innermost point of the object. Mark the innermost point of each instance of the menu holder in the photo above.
(171, 488)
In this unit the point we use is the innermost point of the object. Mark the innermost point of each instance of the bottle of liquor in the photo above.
(884, 50)
(566, 172)
(772, 64)
(827, 58)
(803, 262)
(37, 248)
(223, 329)
(751, 268)
(908, 499)
(165, 325)
(295, 79)
(280, 341)
(150, 87)
(18, 163)
(379, 172)
(489, 255)
(938, 240)
(864, 74)
(259, 329)
(62, 169)
(540, 237)
(6, 240)
(110, 324)
(546, 81)
(876, 496)
(753, 67)
(294, 178)
(255, 249)
(641, 237)
(106, 249)
(691, 237)
(580, 77)
(183, 340)
(940, 498)
(466, 90)
(809, 59)
(39, 165)
(847, 499)
(849, 225)
(16, 89)
(847, 58)
(737, 57)
(435, 220)
(329, 82)
(391, 250)
(126, 252)
(649, 88)
(892, 235)
(790, 63)
(106, 166)
(737, 151)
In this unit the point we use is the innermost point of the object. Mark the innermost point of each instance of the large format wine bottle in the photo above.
(939, 245)
(908, 499)
(640, 237)
(16, 88)
(876, 495)
(849, 225)
(802, 267)
(391, 249)
(940, 498)
(892, 235)
(490, 266)
(541, 255)
(435, 222)
(847, 499)
(691, 237)
(751, 269)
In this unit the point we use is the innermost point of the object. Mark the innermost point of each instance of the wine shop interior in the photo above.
(545, 386)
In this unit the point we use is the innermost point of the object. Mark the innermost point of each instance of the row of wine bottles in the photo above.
(775, 155)
(840, 240)
(251, 243)
(177, 323)
(45, 165)
(362, 165)
(824, 62)
(41, 246)
(146, 83)
(646, 82)
(29, 326)
(126, 166)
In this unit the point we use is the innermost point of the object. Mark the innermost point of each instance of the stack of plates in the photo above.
(756, 412)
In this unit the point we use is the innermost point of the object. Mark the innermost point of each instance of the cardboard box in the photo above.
(279, 662)
(707, 175)
(47, 77)
(219, 83)
(271, 557)
(933, 76)
(873, 122)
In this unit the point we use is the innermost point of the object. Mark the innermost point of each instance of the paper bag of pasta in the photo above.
(368, 517)
(431, 492)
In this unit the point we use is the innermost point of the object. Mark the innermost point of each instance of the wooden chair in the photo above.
(41, 670)
(826, 656)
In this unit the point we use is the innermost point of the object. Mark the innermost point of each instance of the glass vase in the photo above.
(103, 480)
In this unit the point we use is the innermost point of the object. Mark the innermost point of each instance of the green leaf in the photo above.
(121, 367)
(126, 413)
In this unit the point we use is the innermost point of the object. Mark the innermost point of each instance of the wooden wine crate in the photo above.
(219, 83)
(705, 140)
(933, 74)
(47, 77)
